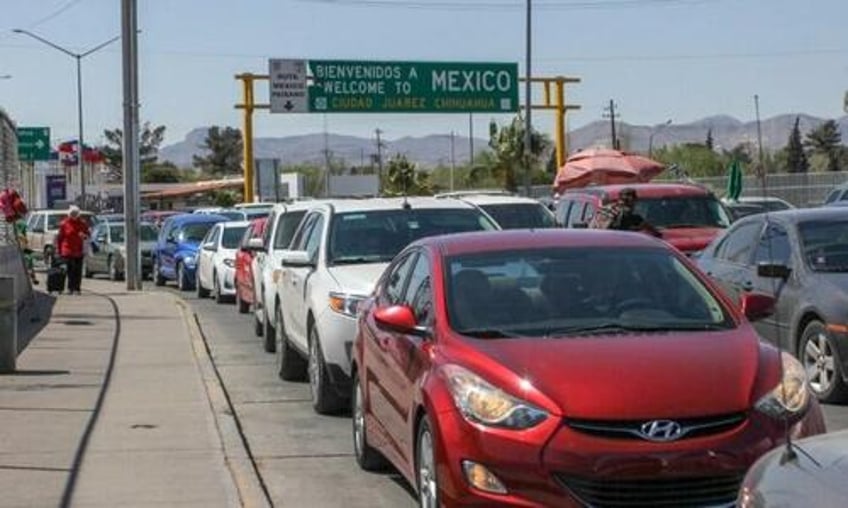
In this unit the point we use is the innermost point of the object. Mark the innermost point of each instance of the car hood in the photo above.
(690, 239)
(652, 375)
(357, 279)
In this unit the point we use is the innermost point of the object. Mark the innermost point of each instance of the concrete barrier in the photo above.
(12, 265)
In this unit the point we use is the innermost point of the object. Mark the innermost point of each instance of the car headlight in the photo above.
(189, 259)
(346, 304)
(230, 263)
(791, 396)
(480, 402)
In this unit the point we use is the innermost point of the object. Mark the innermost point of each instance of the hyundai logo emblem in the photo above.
(661, 430)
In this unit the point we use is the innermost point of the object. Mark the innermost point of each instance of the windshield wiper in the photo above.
(356, 260)
(619, 328)
(682, 226)
(488, 333)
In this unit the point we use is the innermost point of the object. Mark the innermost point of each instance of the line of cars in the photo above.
(525, 368)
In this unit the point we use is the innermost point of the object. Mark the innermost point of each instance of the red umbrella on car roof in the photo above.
(604, 167)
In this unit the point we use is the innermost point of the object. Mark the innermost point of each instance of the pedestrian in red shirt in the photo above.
(70, 244)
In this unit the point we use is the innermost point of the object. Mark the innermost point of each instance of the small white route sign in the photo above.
(289, 92)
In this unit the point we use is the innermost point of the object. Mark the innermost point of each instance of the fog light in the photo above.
(481, 478)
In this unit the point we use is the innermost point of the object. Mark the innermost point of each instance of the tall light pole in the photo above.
(654, 132)
(78, 57)
(132, 164)
(528, 125)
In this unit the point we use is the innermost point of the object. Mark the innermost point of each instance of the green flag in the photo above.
(734, 181)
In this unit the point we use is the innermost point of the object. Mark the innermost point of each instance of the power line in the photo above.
(504, 5)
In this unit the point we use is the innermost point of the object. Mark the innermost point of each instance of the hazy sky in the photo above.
(659, 59)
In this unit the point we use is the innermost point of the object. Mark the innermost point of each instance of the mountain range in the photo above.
(433, 150)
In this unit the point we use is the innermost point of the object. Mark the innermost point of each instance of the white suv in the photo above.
(508, 210)
(336, 257)
(279, 230)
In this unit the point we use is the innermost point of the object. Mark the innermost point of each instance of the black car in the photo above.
(808, 249)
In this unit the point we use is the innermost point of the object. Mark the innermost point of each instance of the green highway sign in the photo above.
(350, 86)
(33, 144)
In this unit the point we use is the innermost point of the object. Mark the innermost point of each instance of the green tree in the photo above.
(150, 139)
(164, 172)
(709, 143)
(694, 158)
(402, 179)
(223, 147)
(826, 141)
(507, 144)
(225, 198)
(796, 159)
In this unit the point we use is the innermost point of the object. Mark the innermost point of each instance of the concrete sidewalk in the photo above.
(162, 436)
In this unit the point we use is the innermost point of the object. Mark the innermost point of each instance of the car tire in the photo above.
(158, 279)
(258, 326)
(114, 275)
(269, 334)
(219, 297)
(243, 307)
(819, 355)
(367, 457)
(426, 466)
(325, 400)
(201, 291)
(182, 278)
(88, 274)
(292, 366)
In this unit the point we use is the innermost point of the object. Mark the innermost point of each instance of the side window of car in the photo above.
(577, 212)
(313, 241)
(588, 213)
(562, 212)
(269, 225)
(833, 196)
(396, 279)
(299, 239)
(737, 246)
(418, 291)
(39, 223)
(774, 246)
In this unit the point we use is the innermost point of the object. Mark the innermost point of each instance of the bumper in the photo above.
(337, 332)
(576, 469)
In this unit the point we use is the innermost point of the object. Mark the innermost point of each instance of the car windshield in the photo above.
(520, 215)
(195, 232)
(825, 245)
(286, 228)
(256, 213)
(149, 233)
(377, 236)
(232, 237)
(558, 292)
(683, 211)
(232, 214)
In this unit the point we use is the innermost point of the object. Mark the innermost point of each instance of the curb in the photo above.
(247, 486)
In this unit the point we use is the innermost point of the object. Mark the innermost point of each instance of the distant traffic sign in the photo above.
(288, 86)
(33, 144)
(350, 86)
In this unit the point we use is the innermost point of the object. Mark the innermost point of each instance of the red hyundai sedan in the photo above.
(567, 368)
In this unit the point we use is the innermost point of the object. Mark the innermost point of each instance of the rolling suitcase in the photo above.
(56, 276)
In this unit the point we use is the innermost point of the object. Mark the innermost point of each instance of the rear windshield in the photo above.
(195, 232)
(683, 211)
(520, 215)
(377, 236)
(232, 237)
(825, 245)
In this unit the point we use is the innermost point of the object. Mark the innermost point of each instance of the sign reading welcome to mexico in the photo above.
(346, 86)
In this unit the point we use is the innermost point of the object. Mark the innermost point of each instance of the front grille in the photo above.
(690, 427)
(713, 491)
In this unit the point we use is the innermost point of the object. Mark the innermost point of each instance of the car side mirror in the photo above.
(774, 270)
(400, 319)
(757, 306)
(296, 259)
(253, 245)
(209, 246)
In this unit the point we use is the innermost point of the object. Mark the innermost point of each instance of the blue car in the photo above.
(175, 254)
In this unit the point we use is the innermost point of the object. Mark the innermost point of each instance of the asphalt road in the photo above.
(305, 459)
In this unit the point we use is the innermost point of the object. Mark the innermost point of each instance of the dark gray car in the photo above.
(107, 249)
(811, 318)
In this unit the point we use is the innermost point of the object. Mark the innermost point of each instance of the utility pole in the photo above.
(762, 169)
(612, 115)
(453, 160)
(380, 145)
(528, 110)
(132, 166)
(326, 159)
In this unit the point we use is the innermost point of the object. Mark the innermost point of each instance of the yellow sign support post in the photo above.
(556, 103)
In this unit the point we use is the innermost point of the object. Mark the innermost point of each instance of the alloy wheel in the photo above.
(820, 363)
(358, 420)
(427, 485)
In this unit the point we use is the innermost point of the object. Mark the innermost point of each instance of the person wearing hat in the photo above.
(70, 244)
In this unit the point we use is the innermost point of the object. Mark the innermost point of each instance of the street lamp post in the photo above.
(528, 111)
(654, 132)
(78, 57)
